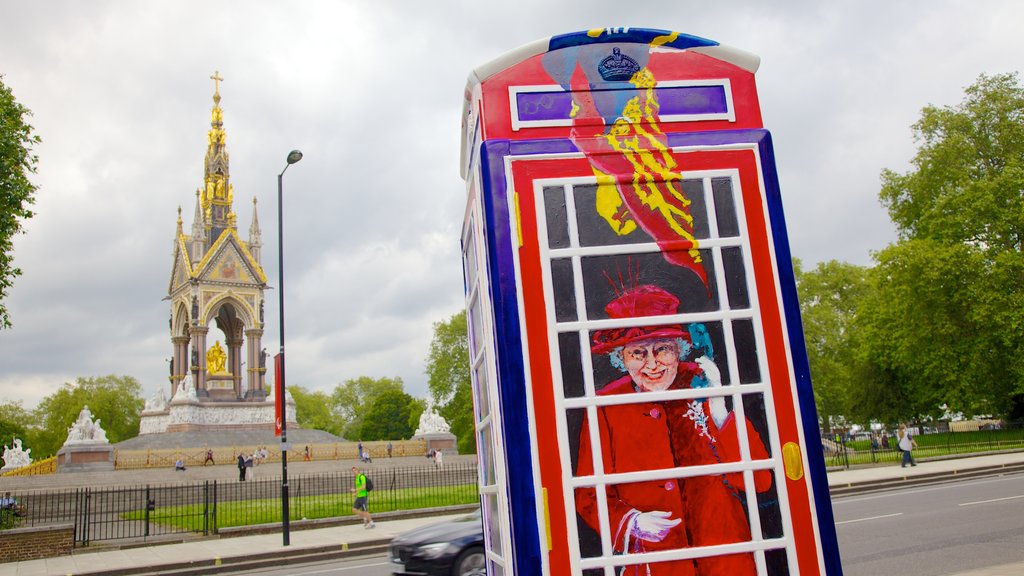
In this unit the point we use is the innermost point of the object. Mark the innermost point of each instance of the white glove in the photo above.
(654, 526)
(717, 403)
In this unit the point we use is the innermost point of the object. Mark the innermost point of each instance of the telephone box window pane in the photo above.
(555, 215)
(474, 327)
(770, 513)
(564, 290)
(485, 447)
(777, 562)
(572, 367)
(746, 351)
(481, 395)
(725, 207)
(470, 254)
(606, 277)
(693, 190)
(492, 522)
(574, 427)
(754, 412)
(735, 278)
(496, 569)
(594, 229)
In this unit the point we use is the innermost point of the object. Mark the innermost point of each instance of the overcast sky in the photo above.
(371, 92)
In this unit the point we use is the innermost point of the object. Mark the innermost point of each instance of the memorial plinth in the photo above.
(85, 457)
(87, 448)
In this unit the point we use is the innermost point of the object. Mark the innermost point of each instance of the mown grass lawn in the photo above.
(268, 511)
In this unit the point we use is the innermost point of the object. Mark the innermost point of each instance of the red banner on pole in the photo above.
(279, 410)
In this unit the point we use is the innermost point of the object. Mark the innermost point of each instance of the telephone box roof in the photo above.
(662, 38)
(521, 68)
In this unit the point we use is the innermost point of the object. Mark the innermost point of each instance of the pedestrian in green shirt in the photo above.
(359, 506)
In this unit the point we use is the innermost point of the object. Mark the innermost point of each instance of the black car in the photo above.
(450, 548)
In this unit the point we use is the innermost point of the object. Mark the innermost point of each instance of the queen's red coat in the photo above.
(661, 435)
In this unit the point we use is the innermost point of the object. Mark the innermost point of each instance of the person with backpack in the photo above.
(359, 507)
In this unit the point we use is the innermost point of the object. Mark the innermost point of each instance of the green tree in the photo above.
(313, 410)
(953, 286)
(352, 399)
(830, 296)
(388, 417)
(416, 409)
(17, 192)
(14, 421)
(449, 379)
(115, 400)
(922, 342)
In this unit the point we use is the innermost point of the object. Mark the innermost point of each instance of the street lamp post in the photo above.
(293, 157)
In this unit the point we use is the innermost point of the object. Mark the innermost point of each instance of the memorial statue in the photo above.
(85, 430)
(15, 457)
(216, 359)
(156, 403)
(186, 390)
(431, 423)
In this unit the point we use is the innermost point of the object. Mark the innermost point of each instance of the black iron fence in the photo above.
(883, 447)
(140, 513)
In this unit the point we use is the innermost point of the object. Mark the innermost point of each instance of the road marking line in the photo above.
(993, 500)
(871, 518)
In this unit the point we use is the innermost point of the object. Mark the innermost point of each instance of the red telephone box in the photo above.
(641, 390)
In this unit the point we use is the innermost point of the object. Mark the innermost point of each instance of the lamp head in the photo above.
(294, 156)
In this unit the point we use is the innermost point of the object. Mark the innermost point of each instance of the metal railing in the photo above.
(143, 512)
(196, 456)
(884, 447)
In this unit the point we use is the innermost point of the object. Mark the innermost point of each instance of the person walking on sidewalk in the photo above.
(907, 443)
(241, 467)
(359, 506)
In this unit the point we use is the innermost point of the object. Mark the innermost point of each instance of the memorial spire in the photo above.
(217, 190)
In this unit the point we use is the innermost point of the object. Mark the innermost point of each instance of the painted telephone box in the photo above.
(641, 392)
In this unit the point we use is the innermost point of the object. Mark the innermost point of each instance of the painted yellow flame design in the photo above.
(635, 135)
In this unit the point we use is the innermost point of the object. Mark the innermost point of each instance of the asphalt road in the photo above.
(933, 530)
(378, 565)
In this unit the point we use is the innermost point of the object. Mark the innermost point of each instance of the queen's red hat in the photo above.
(645, 300)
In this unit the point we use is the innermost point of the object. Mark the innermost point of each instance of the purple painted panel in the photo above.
(675, 100)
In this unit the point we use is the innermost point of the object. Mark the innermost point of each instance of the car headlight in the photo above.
(431, 551)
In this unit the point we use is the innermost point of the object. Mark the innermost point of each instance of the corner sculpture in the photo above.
(431, 423)
(86, 448)
(86, 430)
(435, 432)
(15, 457)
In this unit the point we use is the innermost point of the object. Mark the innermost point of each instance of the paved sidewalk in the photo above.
(212, 551)
(938, 467)
(215, 551)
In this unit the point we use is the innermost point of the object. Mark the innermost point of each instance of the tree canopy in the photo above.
(15, 421)
(933, 328)
(950, 299)
(17, 192)
(114, 400)
(448, 377)
(830, 296)
(388, 417)
(313, 409)
(352, 399)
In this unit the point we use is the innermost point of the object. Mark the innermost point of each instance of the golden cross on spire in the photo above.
(216, 78)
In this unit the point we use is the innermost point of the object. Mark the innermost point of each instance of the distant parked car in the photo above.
(450, 548)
